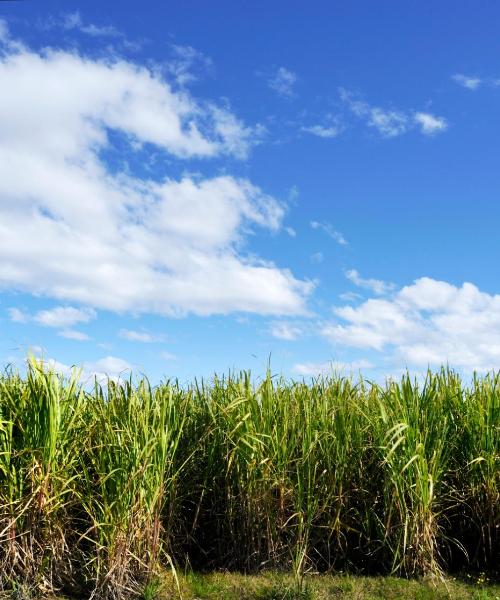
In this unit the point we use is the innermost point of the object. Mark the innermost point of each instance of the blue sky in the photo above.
(199, 186)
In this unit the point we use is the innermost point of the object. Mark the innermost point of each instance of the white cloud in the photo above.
(317, 258)
(283, 82)
(390, 122)
(375, 285)
(187, 64)
(330, 367)
(140, 336)
(60, 316)
(72, 334)
(324, 131)
(427, 323)
(168, 356)
(471, 83)
(329, 230)
(110, 367)
(285, 331)
(74, 230)
(350, 296)
(237, 139)
(18, 316)
(74, 20)
(429, 124)
(64, 316)
(98, 95)
(59, 367)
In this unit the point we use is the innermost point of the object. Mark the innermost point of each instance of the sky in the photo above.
(198, 187)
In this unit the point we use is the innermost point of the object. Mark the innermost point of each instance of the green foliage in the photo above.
(101, 489)
(280, 586)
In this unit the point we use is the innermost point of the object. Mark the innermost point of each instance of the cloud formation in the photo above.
(333, 127)
(392, 123)
(140, 336)
(64, 316)
(73, 334)
(330, 231)
(377, 286)
(285, 331)
(187, 64)
(467, 81)
(283, 82)
(427, 323)
(76, 229)
(429, 124)
(389, 123)
(109, 367)
(17, 315)
(72, 21)
(59, 316)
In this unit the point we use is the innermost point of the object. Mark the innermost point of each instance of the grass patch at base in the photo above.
(272, 586)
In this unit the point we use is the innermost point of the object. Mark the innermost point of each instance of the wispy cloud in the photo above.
(60, 316)
(317, 258)
(109, 367)
(429, 124)
(64, 316)
(188, 64)
(388, 122)
(467, 81)
(330, 230)
(350, 296)
(74, 21)
(140, 336)
(473, 83)
(17, 315)
(285, 331)
(377, 286)
(283, 82)
(73, 334)
(392, 122)
(329, 130)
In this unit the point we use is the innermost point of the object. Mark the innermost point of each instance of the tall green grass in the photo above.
(102, 488)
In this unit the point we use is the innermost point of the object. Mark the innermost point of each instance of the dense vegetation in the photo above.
(101, 489)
